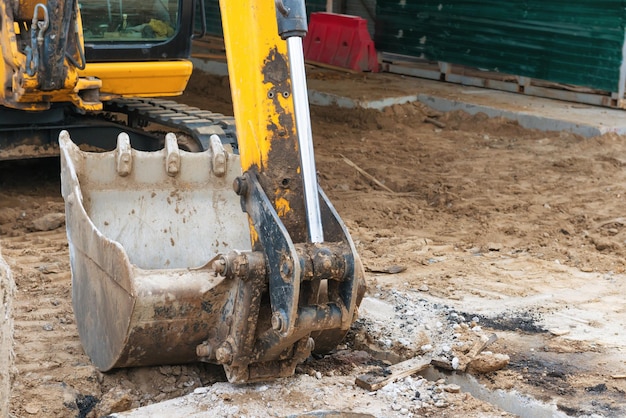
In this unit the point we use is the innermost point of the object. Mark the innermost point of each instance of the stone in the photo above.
(8, 215)
(31, 408)
(488, 362)
(455, 363)
(426, 347)
(48, 222)
(452, 388)
(200, 391)
(115, 400)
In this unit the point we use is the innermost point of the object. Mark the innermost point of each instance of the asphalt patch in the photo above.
(512, 321)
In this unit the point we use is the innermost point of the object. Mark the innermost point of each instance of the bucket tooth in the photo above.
(124, 156)
(219, 156)
(172, 158)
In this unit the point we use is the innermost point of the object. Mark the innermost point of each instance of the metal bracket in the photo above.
(283, 266)
(298, 318)
(286, 269)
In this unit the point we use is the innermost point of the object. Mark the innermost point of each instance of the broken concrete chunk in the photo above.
(488, 362)
(442, 362)
(375, 380)
(452, 388)
(115, 400)
(558, 331)
(48, 222)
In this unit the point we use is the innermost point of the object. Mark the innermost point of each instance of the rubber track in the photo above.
(198, 123)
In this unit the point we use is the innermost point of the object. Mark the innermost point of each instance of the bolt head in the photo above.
(279, 323)
(219, 266)
(310, 344)
(240, 186)
(204, 350)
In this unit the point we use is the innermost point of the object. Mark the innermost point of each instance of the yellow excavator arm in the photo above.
(314, 275)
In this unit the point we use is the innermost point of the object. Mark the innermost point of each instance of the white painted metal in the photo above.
(161, 220)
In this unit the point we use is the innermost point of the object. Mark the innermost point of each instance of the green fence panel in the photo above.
(213, 17)
(313, 6)
(574, 42)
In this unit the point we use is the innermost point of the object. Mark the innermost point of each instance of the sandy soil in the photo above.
(522, 231)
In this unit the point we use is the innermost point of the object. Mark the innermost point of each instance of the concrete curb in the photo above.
(529, 111)
(527, 120)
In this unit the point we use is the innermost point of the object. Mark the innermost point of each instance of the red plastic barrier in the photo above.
(340, 40)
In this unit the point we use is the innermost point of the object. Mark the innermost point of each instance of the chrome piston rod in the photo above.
(292, 27)
(305, 138)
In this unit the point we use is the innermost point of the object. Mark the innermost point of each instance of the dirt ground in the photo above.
(522, 231)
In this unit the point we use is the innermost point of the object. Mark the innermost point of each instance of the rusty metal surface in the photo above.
(280, 178)
(273, 195)
(348, 292)
(132, 310)
(24, 9)
(173, 313)
(140, 301)
(299, 306)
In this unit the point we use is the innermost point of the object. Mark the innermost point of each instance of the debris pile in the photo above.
(397, 325)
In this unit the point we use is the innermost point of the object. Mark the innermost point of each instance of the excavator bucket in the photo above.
(164, 270)
(141, 228)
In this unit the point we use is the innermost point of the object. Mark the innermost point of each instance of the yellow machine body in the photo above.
(140, 79)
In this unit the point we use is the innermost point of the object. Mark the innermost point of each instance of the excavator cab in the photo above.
(95, 31)
(128, 21)
(136, 30)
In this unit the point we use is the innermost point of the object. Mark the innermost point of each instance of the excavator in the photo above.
(191, 237)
